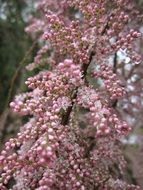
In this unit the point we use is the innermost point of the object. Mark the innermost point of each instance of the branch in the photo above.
(97, 187)
(66, 117)
(114, 103)
(115, 63)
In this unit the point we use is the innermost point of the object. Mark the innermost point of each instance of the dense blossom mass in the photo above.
(73, 136)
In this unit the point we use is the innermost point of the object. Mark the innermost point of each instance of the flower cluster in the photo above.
(67, 39)
(102, 117)
(106, 74)
(72, 138)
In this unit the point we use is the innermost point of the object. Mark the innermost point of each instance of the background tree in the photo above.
(14, 43)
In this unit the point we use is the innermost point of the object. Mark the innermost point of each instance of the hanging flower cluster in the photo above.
(72, 138)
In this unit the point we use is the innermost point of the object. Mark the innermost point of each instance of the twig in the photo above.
(4, 116)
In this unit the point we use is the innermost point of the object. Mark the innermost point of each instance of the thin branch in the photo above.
(97, 187)
(22, 62)
(5, 114)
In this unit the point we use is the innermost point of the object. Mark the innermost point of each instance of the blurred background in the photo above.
(17, 50)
